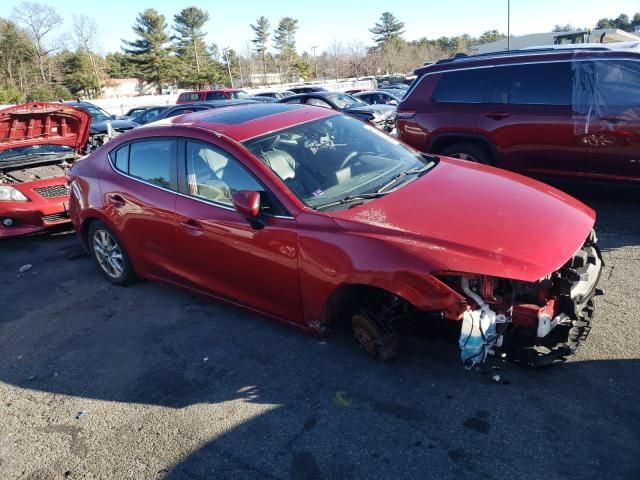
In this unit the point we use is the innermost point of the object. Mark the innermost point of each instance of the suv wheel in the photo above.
(109, 255)
(468, 151)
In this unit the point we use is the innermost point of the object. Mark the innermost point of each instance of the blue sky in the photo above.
(323, 21)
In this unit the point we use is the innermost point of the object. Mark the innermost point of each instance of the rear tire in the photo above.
(468, 151)
(374, 339)
(109, 255)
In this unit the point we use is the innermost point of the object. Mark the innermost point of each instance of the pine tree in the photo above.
(387, 29)
(284, 40)
(261, 40)
(152, 50)
(196, 66)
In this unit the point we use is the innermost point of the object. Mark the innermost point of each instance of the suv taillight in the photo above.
(405, 114)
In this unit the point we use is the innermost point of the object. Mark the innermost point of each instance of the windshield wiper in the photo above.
(406, 173)
(351, 198)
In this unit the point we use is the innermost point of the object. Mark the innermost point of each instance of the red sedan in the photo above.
(38, 143)
(314, 217)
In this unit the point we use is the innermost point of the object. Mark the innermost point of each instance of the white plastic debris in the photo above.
(205, 359)
(25, 268)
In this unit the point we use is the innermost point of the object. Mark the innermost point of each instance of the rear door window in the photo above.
(536, 84)
(215, 96)
(154, 161)
(189, 97)
(618, 83)
(121, 159)
(463, 86)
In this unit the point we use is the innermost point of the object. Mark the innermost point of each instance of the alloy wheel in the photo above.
(108, 253)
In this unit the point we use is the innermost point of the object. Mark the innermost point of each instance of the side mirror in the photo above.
(247, 204)
(392, 102)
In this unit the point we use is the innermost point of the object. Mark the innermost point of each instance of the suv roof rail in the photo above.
(525, 51)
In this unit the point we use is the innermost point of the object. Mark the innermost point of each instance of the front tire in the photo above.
(109, 255)
(468, 151)
(374, 339)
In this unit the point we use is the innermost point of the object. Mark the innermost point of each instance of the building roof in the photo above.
(548, 38)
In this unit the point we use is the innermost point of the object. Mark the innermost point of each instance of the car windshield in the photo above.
(336, 158)
(34, 151)
(342, 100)
(97, 114)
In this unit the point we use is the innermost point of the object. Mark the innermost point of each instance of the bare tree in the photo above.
(85, 30)
(336, 54)
(39, 20)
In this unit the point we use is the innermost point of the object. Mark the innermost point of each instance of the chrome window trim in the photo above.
(201, 200)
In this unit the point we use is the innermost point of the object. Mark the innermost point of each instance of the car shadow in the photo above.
(297, 406)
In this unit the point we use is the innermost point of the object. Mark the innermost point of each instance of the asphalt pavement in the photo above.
(149, 381)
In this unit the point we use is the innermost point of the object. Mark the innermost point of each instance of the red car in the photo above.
(571, 113)
(38, 143)
(208, 95)
(313, 217)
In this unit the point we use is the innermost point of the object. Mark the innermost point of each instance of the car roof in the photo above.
(215, 90)
(544, 54)
(243, 122)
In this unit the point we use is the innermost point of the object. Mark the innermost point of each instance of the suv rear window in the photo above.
(189, 97)
(215, 96)
(463, 86)
(536, 84)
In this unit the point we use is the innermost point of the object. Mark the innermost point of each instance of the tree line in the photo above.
(37, 64)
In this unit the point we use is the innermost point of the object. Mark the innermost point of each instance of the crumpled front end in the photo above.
(537, 323)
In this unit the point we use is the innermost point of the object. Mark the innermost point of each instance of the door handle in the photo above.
(116, 200)
(192, 227)
(497, 115)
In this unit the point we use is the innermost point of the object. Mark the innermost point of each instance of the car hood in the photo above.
(466, 217)
(119, 125)
(385, 109)
(41, 123)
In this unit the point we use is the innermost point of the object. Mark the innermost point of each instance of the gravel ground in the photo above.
(148, 381)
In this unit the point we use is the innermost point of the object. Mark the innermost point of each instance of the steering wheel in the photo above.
(348, 159)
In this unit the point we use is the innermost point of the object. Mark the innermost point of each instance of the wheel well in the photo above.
(84, 230)
(347, 299)
(439, 144)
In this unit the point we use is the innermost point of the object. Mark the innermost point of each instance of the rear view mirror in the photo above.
(247, 204)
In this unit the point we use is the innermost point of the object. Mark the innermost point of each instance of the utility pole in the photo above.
(508, 24)
(315, 62)
(225, 52)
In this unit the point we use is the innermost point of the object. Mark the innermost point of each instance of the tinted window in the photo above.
(214, 175)
(215, 96)
(464, 86)
(121, 159)
(538, 84)
(152, 161)
(189, 97)
(316, 102)
(618, 84)
(182, 111)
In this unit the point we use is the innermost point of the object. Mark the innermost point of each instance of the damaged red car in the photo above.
(314, 218)
(38, 143)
